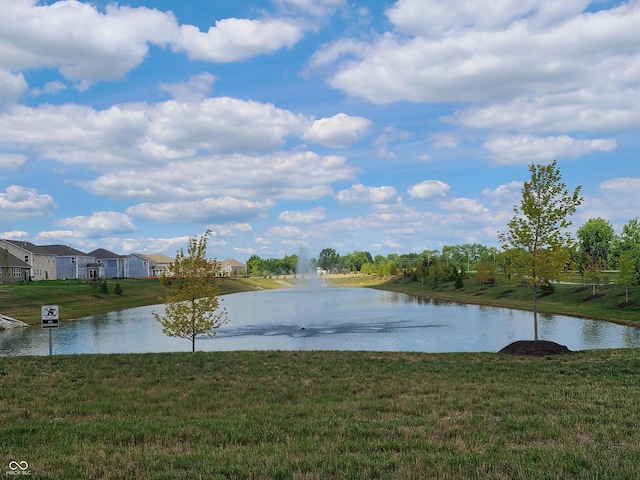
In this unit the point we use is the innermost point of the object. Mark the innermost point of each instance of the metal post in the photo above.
(50, 344)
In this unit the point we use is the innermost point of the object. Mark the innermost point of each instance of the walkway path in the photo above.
(8, 322)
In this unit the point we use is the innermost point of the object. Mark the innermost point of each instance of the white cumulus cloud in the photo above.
(314, 215)
(12, 161)
(234, 39)
(362, 194)
(99, 223)
(203, 211)
(429, 190)
(339, 131)
(12, 86)
(524, 149)
(21, 202)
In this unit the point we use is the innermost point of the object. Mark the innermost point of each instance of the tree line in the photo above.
(595, 249)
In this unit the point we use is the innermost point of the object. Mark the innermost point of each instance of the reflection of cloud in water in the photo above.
(298, 331)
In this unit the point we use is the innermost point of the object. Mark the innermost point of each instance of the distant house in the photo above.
(94, 271)
(42, 261)
(12, 269)
(232, 268)
(114, 264)
(70, 263)
(140, 265)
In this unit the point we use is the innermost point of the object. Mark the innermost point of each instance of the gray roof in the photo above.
(64, 251)
(232, 263)
(28, 246)
(11, 261)
(103, 254)
(57, 250)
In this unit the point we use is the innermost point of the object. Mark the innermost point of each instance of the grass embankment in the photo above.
(76, 298)
(318, 415)
(577, 300)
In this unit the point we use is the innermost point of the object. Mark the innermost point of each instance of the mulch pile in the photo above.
(539, 348)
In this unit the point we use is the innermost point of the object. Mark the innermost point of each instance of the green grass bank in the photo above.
(320, 415)
(76, 298)
(578, 300)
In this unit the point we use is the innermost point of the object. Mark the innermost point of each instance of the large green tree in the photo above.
(192, 304)
(254, 266)
(329, 260)
(537, 239)
(595, 239)
(630, 236)
(354, 261)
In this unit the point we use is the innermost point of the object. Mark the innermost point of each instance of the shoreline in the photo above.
(448, 294)
(566, 300)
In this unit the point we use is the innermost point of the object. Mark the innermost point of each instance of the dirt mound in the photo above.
(538, 348)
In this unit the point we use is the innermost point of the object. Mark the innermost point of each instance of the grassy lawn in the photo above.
(76, 298)
(319, 415)
(576, 300)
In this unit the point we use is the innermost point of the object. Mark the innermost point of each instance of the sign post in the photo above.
(50, 319)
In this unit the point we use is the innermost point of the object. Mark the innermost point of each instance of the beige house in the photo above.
(41, 260)
(232, 268)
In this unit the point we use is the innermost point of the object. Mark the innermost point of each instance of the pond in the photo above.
(324, 319)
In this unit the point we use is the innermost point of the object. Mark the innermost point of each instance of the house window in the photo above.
(17, 273)
(26, 259)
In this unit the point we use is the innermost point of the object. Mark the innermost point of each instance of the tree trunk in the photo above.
(626, 293)
(535, 312)
(193, 343)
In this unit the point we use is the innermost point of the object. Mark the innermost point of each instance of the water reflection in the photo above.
(325, 319)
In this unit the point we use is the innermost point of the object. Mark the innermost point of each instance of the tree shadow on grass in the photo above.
(630, 303)
(505, 293)
(593, 297)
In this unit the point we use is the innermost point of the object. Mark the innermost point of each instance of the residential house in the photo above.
(147, 265)
(114, 264)
(94, 271)
(232, 268)
(41, 260)
(70, 263)
(12, 269)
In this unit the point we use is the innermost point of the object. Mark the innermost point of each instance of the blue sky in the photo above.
(391, 127)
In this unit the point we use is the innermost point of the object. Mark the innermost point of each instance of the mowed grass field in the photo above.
(322, 415)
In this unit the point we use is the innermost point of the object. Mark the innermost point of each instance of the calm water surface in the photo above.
(324, 319)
